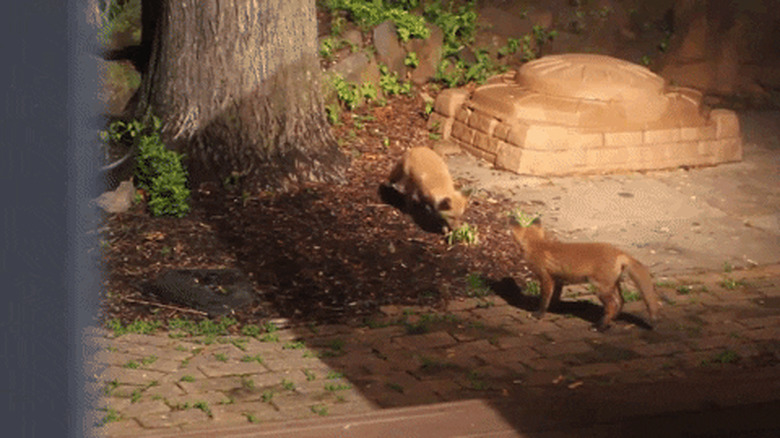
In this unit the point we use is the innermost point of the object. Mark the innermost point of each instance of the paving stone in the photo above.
(594, 369)
(660, 349)
(144, 407)
(509, 357)
(130, 376)
(561, 348)
(380, 335)
(767, 333)
(164, 390)
(220, 419)
(512, 342)
(543, 363)
(772, 321)
(446, 389)
(221, 369)
(112, 402)
(425, 341)
(160, 352)
(211, 397)
(263, 411)
(710, 342)
(291, 362)
(541, 377)
(535, 327)
(463, 304)
(329, 329)
(122, 428)
(173, 418)
(187, 373)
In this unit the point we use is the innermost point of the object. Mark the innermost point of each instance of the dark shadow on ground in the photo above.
(423, 216)
(508, 289)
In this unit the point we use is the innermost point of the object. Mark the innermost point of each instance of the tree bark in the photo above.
(236, 84)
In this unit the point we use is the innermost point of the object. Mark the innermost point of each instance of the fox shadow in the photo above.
(422, 214)
(515, 296)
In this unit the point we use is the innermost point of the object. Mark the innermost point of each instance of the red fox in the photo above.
(423, 176)
(556, 263)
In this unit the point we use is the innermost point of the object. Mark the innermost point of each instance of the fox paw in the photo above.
(538, 314)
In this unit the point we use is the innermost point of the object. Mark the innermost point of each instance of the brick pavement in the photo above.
(476, 349)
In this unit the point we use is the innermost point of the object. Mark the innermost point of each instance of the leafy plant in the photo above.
(138, 327)
(730, 283)
(346, 92)
(459, 28)
(111, 415)
(532, 288)
(288, 385)
(523, 219)
(390, 84)
(256, 358)
(159, 171)
(411, 60)
(369, 14)
(465, 233)
(683, 289)
(476, 286)
(542, 36)
(118, 16)
(321, 410)
(203, 406)
(631, 296)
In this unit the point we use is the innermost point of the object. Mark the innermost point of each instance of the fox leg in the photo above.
(547, 284)
(613, 303)
(556, 295)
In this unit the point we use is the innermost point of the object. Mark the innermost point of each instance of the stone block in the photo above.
(620, 139)
(480, 141)
(449, 100)
(462, 115)
(547, 138)
(726, 123)
(693, 133)
(462, 132)
(602, 157)
(727, 149)
(517, 133)
(502, 131)
(479, 153)
(653, 136)
(482, 123)
(509, 156)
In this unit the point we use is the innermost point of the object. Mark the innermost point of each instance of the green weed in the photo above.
(465, 233)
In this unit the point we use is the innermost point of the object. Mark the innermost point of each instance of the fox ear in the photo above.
(537, 221)
(445, 204)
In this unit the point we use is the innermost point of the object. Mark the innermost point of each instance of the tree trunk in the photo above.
(236, 84)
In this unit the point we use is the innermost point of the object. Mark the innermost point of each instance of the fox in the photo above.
(602, 264)
(423, 176)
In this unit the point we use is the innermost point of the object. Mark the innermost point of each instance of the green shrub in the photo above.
(160, 173)
(369, 14)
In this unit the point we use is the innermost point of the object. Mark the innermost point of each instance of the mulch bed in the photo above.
(321, 253)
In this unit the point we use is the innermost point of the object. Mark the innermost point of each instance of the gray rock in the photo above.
(351, 68)
(119, 200)
(429, 53)
(388, 50)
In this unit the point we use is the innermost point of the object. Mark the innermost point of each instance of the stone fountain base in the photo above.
(580, 114)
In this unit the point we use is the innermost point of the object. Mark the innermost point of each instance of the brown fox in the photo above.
(423, 176)
(556, 263)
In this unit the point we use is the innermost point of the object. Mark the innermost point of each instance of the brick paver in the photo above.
(158, 384)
